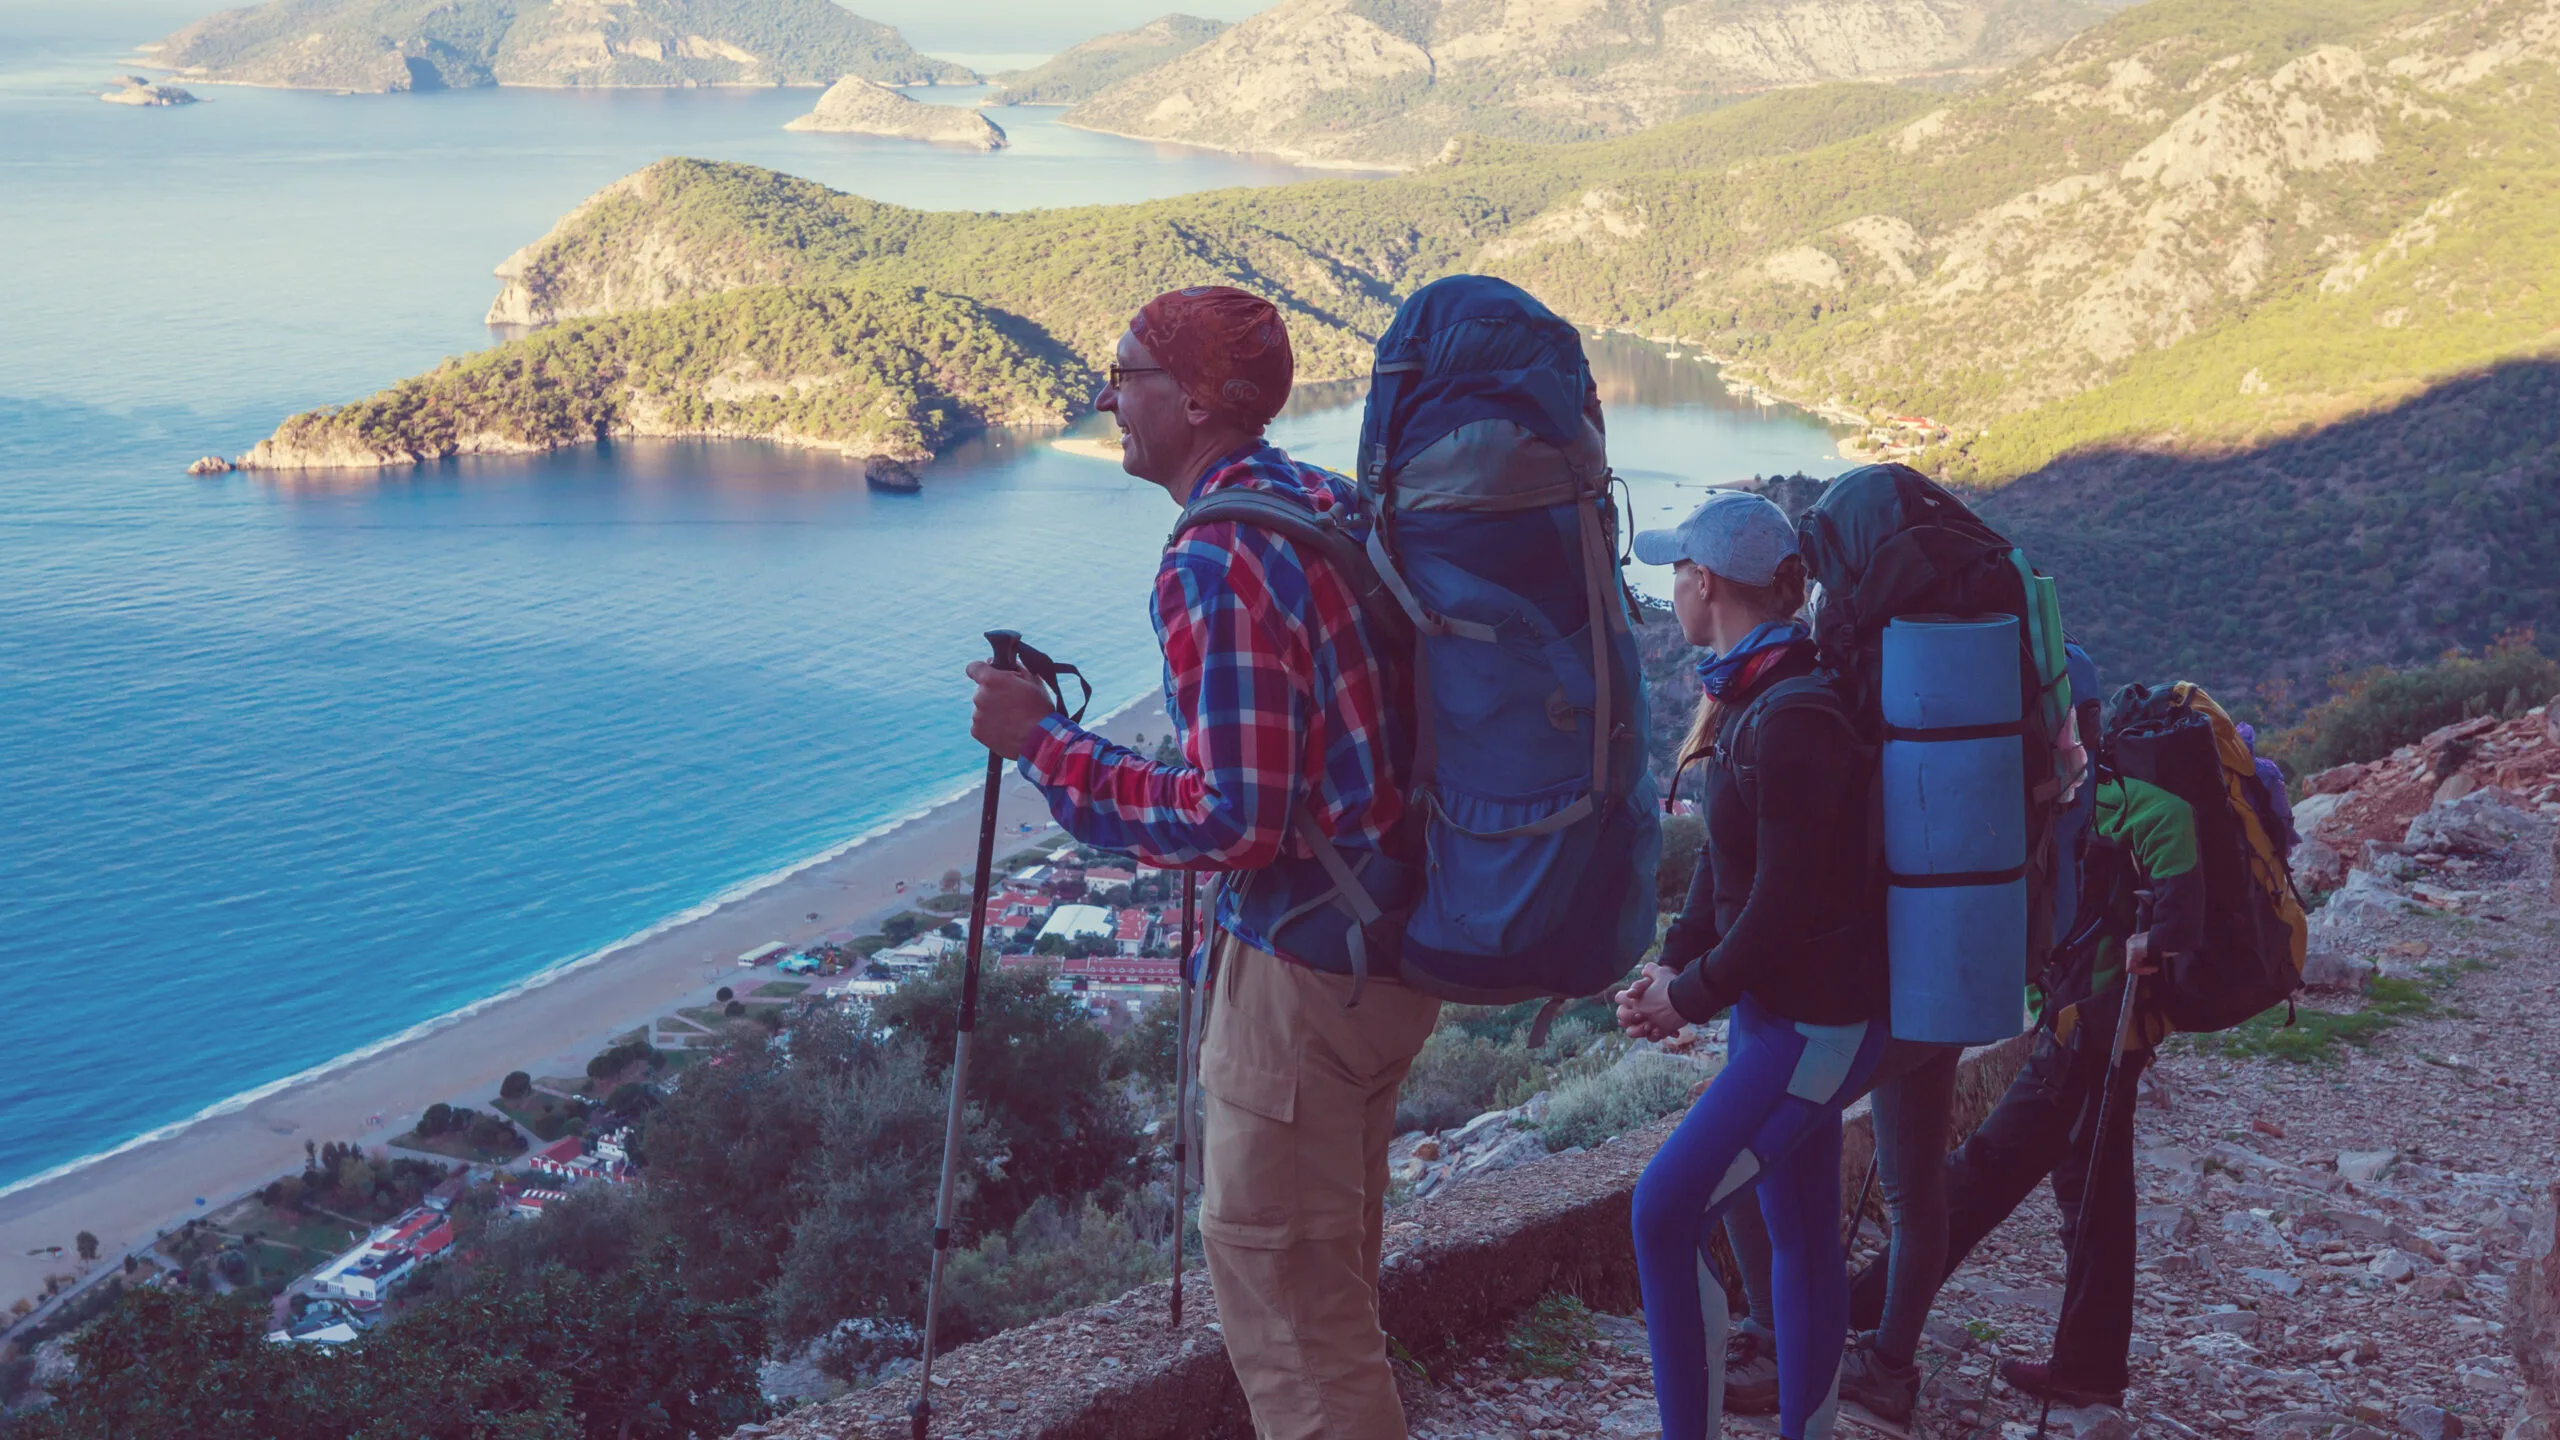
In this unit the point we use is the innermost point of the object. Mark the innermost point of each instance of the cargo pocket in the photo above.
(1249, 1148)
(1493, 888)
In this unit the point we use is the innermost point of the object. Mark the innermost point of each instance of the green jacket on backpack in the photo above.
(2141, 836)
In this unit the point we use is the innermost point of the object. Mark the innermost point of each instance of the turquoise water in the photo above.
(286, 769)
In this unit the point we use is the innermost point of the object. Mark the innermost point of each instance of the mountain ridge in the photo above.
(1390, 82)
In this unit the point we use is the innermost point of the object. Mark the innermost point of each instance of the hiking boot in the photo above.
(1750, 1372)
(2028, 1377)
(1890, 1390)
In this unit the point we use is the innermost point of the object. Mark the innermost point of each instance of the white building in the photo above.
(368, 1272)
(1073, 922)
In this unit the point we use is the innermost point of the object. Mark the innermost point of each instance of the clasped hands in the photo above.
(1645, 1010)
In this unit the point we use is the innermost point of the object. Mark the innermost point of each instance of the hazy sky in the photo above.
(995, 25)
(972, 26)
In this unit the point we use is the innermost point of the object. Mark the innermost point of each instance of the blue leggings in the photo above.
(1771, 1120)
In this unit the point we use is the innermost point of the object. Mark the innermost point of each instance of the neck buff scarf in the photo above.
(1734, 671)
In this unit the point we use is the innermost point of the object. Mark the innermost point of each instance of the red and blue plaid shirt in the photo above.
(1276, 694)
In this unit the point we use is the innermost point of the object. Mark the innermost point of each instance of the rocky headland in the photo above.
(392, 45)
(855, 106)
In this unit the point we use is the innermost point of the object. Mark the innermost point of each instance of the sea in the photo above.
(288, 769)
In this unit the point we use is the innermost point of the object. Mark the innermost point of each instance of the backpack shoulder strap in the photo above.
(1319, 532)
(1797, 692)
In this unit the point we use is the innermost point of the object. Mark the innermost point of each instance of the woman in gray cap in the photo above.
(1772, 930)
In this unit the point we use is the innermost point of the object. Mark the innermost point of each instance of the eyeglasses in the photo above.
(1120, 373)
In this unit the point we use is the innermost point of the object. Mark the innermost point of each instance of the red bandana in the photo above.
(1225, 348)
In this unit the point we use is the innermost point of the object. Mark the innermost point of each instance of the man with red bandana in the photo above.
(1281, 709)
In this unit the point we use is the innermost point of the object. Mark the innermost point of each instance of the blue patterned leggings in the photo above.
(1770, 1121)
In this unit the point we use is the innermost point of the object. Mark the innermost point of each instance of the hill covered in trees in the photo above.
(2144, 276)
(382, 45)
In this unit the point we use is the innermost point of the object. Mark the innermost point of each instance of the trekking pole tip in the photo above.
(1004, 643)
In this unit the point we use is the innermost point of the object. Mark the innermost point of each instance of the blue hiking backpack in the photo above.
(1485, 544)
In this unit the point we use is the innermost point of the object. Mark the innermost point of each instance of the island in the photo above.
(134, 90)
(382, 46)
(855, 106)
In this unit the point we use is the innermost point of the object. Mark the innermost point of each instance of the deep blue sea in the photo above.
(287, 769)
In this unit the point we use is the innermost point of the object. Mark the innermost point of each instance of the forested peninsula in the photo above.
(862, 370)
(390, 45)
(2253, 308)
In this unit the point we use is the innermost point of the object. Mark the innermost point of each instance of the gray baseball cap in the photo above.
(1736, 534)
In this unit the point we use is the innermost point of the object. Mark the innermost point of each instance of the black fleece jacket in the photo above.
(1779, 908)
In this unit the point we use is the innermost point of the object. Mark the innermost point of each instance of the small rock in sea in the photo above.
(210, 465)
(134, 90)
(882, 473)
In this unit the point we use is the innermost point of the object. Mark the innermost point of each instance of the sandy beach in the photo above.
(127, 1198)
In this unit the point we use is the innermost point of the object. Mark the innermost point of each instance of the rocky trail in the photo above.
(2338, 1220)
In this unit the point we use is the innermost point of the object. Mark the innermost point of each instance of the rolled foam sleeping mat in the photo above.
(1955, 837)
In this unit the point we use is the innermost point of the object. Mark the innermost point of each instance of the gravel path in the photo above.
(2325, 1241)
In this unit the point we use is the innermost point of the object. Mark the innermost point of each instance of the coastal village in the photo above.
(335, 1247)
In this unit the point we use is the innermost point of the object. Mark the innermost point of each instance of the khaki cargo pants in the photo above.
(1300, 1096)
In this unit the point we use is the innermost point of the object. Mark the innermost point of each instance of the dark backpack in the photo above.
(1484, 547)
(2254, 931)
(1885, 542)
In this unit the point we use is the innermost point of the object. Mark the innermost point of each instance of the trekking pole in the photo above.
(2089, 1185)
(1182, 1087)
(1858, 1216)
(1006, 643)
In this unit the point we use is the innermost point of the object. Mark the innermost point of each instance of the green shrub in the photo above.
(1683, 836)
(1146, 1049)
(1550, 1339)
(1588, 1109)
(1459, 1076)
(2381, 710)
(1053, 1260)
(2303, 1035)
(516, 1086)
(622, 1057)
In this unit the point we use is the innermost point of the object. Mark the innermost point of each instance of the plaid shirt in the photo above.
(1275, 691)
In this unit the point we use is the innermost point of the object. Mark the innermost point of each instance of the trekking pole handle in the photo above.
(1007, 644)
